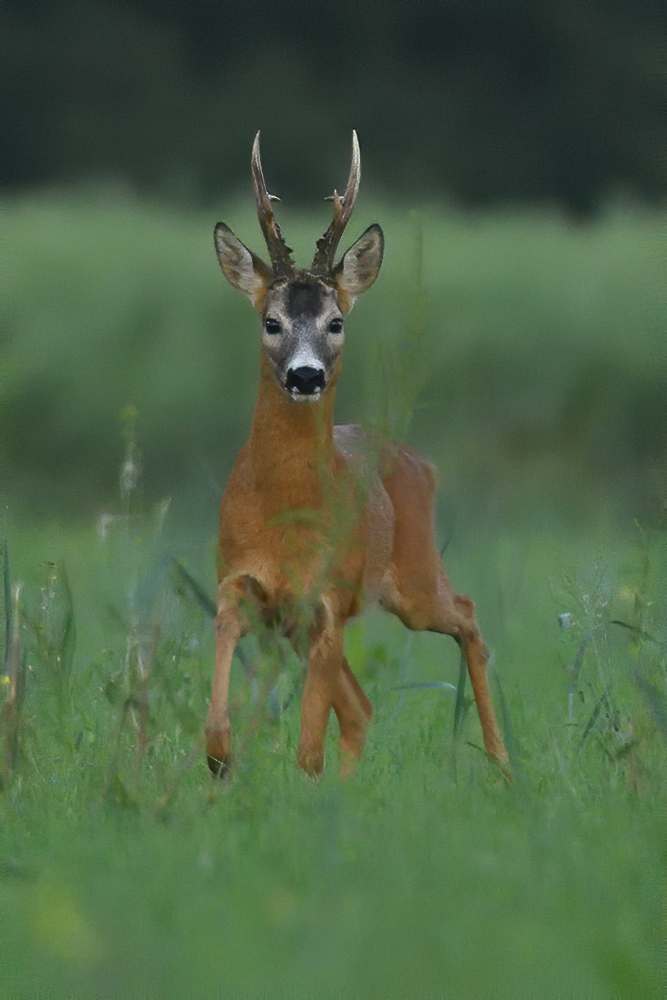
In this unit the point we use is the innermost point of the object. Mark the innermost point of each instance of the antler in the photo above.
(327, 244)
(279, 252)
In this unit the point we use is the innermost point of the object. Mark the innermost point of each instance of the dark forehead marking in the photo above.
(305, 298)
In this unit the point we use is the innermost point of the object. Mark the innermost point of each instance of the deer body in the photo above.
(318, 521)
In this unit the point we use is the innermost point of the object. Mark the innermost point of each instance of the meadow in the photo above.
(525, 356)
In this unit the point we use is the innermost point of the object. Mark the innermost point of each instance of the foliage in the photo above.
(542, 100)
(522, 354)
(530, 372)
(126, 870)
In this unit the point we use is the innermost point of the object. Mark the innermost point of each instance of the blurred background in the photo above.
(514, 153)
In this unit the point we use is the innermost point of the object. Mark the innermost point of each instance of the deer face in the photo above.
(302, 314)
(302, 336)
(302, 311)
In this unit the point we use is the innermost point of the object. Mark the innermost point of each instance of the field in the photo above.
(524, 355)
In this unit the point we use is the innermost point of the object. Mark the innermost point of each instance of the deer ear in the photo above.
(241, 267)
(359, 266)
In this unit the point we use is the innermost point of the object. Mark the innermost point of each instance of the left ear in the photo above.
(359, 266)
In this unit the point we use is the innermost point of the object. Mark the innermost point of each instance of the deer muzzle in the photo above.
(305, 381)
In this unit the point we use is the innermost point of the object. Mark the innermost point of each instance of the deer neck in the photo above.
(291, 444)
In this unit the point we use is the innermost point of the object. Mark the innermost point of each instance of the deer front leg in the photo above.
(353, 710)
(324, 666)
(331, 684)
(228, 631)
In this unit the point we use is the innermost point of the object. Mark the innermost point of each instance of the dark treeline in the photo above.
(475, 100)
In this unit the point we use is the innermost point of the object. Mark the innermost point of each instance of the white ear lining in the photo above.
(240, 266)
(360, 264)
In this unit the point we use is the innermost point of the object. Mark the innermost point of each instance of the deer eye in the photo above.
(336, 326)
(272, 326)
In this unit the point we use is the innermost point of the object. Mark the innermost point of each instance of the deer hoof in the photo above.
(218, 768)
(217, 752)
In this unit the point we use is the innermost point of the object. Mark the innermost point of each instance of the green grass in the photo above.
(125, 870)
(525, 356)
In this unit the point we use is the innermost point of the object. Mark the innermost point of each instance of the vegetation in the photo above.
(522, 355)
(539, 100)
(125, 870)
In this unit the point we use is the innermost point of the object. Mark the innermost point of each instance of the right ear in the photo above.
(241, 267)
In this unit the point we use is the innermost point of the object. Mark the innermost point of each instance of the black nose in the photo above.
(307, 381)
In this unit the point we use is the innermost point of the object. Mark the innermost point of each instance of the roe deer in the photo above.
(319, 521)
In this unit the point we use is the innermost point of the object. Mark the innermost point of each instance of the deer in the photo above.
(317, 521)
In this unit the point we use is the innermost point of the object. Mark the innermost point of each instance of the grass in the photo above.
(125, 870)
(519, 351)
(523, 354)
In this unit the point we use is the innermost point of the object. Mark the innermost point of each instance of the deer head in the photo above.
(302, 310)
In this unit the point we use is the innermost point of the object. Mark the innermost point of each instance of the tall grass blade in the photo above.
(14, 684)
(459, 708)
(656, 703)
(601, 702)
(403, 673)
(638, 633)
(460, 703)
(66, 643)
(574, 674)
(203, 600)
(425, 686)
(8, 600)
(207, 604)
(446, 543)
(511, 742)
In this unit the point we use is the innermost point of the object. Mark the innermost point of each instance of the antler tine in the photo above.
(327, 244)
(279, 252)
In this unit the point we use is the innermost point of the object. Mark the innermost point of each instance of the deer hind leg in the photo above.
(417, 589)
(439, 609)
(458, 620)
